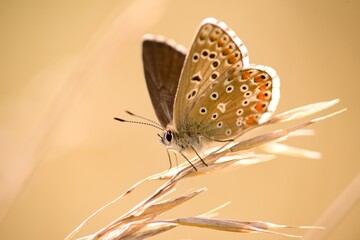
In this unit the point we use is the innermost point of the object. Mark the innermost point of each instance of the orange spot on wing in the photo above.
(250, 120)
(258, 79)
(259, 107)
(263, 87)
(213, 38)
(245, 75)
(231, 59)
(220, 43)
(261, 96)
(225, 51)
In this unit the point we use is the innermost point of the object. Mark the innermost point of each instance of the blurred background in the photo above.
(69, 67)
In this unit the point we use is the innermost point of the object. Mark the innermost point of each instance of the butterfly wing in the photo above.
(163, 61)
(205, 63)
(237, 102)
(220, 93)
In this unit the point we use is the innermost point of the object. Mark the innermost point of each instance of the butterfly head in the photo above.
(167, 137)
(170, 138)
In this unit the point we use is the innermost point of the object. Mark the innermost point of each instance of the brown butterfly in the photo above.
(209, 94)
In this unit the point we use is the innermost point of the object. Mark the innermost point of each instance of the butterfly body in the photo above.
(209, 94)
(183, 137)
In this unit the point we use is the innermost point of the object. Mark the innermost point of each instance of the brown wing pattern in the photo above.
(163, 61)
(220, 93)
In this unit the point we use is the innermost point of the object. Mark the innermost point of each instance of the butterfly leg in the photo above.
(176, 160)
(168, 153)
(198, 155)
(168, 150)
(188, 160)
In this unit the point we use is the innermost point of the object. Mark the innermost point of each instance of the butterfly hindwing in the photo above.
(238, 102)
(163, 61)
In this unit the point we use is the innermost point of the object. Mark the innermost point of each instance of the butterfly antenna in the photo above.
(143, 118)
(144, 123)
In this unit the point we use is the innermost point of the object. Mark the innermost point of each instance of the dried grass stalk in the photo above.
(141, 221)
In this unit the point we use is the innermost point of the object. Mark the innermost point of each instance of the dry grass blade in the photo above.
(276, 135)
(241, 153)
(154, 228)
(138, 223)
(228, 162)
(237, 226)
(302, 112)
(278, 148)
(141, 221)
(102, 208)
(145, 211)
(166, 205)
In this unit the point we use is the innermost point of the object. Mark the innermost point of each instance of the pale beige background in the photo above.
(69, 67)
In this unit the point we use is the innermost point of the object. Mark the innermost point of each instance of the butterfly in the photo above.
(209, 94)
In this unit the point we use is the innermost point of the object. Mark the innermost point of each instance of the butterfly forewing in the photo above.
(219, 92)
(163, 61)
(216, 51)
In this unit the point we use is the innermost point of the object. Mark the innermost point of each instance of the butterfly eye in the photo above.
(168, 136)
